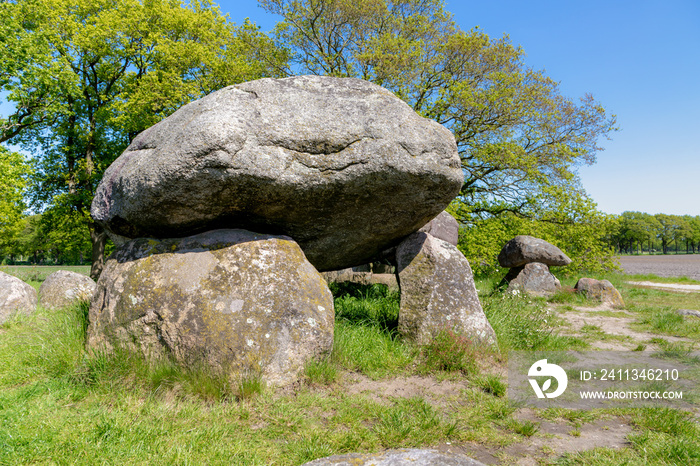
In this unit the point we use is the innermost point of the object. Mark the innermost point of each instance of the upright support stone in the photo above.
(438, 291)
(233, 300)
(443, 226)
(534, 279)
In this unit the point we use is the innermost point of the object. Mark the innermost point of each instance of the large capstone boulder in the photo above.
(341, 165)
(236, 301)
(525, 249)
(600, 290)
(401, 457)
(15, 297)
(534, 278)
(438, 291)
(444, 226)
(63, 288)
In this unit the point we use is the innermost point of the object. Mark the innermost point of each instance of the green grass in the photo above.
(61, 404)
(522, 323)
(366, 336)
(38, 273)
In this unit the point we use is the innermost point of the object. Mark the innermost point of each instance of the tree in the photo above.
(94, 73)
(14, 172)
(517, 135)
(667, 232)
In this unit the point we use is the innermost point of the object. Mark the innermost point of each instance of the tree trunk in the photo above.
(98, 237)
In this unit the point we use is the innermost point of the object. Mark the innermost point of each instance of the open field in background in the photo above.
(59, 404)
(35, 274)
(686, 265)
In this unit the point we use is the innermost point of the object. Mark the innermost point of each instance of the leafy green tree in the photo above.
(668, 231)
(694, 238)
(14, 173)
(517, 135)
(519, 139)
(94, 73)
(575, 226)
(637, 228)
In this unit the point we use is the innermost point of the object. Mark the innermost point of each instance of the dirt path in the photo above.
(615, 333)
(668, 286)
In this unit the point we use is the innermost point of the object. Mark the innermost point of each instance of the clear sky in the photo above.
(640, 59)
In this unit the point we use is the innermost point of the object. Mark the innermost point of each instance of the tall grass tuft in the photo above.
(450, 351)
(522, 323)
(366, 336)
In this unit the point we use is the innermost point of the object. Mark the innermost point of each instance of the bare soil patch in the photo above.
(617, 326)
(553, 439)
(382, 391)
(669, 286)
(683, 265)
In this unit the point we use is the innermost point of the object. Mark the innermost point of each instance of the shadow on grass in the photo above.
(367, 305)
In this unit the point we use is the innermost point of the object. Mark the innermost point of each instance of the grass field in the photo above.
(62, 405)
(35, 274)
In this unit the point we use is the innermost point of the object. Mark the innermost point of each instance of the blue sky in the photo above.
(640, 59)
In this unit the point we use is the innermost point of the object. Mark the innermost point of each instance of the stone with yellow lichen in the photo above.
(438, 291)
(238, 301)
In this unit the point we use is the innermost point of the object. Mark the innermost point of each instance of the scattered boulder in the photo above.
(62, 288)
(600, 290)
(534, 279)
(15, 296)
(688, 312)
(341, 165)
(235, 300)
(401, 457)
(437, 291)
(351, 274)
(444, 226)
(525, 249)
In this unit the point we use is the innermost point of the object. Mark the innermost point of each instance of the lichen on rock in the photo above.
(438, 291)
(235, 300)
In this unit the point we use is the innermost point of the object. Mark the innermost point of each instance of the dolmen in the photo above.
(225, 212)
(529, 259)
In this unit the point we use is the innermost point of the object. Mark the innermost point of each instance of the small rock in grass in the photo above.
(600, 290)
(15, 296)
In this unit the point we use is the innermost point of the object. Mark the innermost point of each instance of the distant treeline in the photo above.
(638, 232)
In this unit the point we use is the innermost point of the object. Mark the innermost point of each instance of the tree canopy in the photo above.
(86, 76)
(519, 139)
(14, 173)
